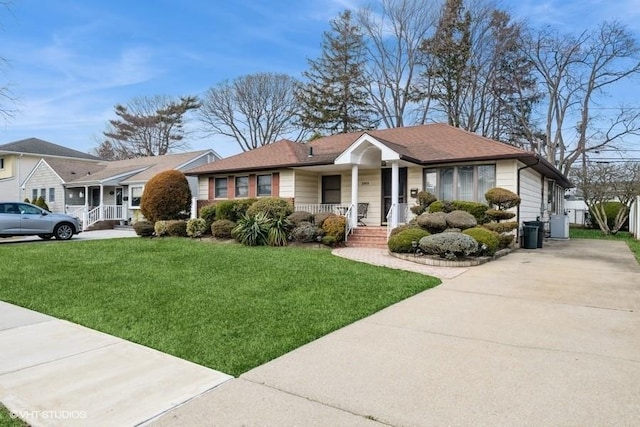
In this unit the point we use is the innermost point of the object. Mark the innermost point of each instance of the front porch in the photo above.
(93, 204)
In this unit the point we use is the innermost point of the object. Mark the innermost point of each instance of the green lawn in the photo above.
(8, 420)
(221, 305)
(585, 233)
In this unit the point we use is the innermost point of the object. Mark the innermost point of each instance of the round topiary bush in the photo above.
(177, 228)
(319, 218)
(401, 242)
(502, 198)
(166, 196)
(488, 241)
(499, 215)
(143, 228)
(273, 207)
(403, 227)
(334, 226)
(478, 210)
(196, 227)
(461, 220)
(451, 246)
(221, 228)
(305, 232)
(300, 216)
(440, 206)
(501, 227)
(423, 200)
(160, 228)
(434, 222)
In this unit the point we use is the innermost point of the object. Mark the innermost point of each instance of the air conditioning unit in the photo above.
(559, 226)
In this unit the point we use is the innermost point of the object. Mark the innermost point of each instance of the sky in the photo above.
(69, 62)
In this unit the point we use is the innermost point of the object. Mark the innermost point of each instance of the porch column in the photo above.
(101, 202)
(395, 178)
(354, 196)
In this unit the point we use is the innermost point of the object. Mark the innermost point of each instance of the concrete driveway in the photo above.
(546, 337)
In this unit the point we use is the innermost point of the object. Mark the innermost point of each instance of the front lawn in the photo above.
(586, 233)
(225, 306)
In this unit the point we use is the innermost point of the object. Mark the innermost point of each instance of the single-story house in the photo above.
(17, 160)
(108, 190)
(373, 177)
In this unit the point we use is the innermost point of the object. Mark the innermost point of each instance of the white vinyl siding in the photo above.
(39, 181)
(369, 191)
(288, 184)
(307, 187)
(203, 187)
(530, 194)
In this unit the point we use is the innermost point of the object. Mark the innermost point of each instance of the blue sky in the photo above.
(71, 61)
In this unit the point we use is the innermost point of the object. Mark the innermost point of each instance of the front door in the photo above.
(95, 197)
(386, 190)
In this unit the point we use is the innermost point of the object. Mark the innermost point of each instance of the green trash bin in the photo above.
(540, 226)
(530, 237)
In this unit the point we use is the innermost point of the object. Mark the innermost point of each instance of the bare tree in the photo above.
(601, 183)
(393, 36)
(574, 72)
(254, 110)
(147, 126)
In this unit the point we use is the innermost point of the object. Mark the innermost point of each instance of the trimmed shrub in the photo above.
(423, 201)
(26, 200)
(253, 230)
(435, 222)
(143, 228)
(335, 226)
(403, 227)
(177, 228)
(501, 227)
(241, 206)
(196, 227)
(461, 220)
(499, 215)
(319, 218)
(330, 240)
(41, 203)
(160, 228)
(306, 232)
(488, 241)
(300, 216)
(208, 213)
(233, 210)
(166, 196)
(273, 207)
(440, 206)
(451, 246)
(221, 228)
(502, 198)
(476, 209)
(401, 241)
(505, 240)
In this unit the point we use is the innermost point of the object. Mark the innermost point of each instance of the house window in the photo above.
(221, 188)
(1, 163)
(136, 196)
(264, 185)
(43, 193)
(242, 186)
(331, 189)
(465, 182)
(34, 194)
(52, 194)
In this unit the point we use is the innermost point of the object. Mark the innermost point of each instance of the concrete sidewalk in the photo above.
(56, 373)
(540, 337)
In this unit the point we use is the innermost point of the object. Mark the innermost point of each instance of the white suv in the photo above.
(25, 219)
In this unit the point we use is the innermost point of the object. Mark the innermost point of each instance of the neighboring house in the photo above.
(108, 190)
(17, 160)
(381, 171)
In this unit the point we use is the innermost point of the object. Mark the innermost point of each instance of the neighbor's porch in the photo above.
(93, 204)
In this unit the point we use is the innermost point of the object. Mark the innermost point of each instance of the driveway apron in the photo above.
(540, 337)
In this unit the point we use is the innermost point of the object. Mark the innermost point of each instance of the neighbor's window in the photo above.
(34, 194)
(221, 188)
(136, 196)
(1, 163)
(468, 183)
(52, 194)
(264, 185)
(43, 193)
(242, 186)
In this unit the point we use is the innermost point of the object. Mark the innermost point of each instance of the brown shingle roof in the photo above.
(424, 144)
(44, 148)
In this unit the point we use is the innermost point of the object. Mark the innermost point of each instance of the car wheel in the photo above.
(45, 236)
(63, 231)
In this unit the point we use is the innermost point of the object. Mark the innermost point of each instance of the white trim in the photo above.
(353, 154)
(33, 171)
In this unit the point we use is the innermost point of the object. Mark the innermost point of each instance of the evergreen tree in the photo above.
(335, 98)
(449, 51)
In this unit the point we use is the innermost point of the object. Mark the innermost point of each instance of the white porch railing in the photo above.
(349, 225)
(314, 208)
(99, 213)
(402, 213)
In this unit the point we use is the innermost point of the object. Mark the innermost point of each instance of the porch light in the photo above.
(81, 194)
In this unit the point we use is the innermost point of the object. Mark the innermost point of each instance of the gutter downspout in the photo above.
(537, 156)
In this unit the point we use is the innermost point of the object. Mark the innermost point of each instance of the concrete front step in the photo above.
(368, 237)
